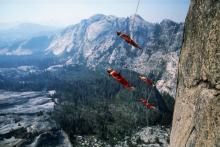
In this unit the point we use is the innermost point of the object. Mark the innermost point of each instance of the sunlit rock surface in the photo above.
(155, 136)
(25, 120)
(196, 121)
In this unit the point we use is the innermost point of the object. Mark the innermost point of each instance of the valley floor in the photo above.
(25, 120)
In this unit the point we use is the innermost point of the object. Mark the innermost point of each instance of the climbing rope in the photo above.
(154, 78)
(132, 29)
(133, 21)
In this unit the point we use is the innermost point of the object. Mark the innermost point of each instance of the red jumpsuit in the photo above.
(128, 40)
(148, 105)
(147, 80)
(121, 80)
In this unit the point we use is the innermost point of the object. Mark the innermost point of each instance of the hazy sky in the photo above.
(66, 12)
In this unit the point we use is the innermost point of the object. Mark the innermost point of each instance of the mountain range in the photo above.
(94, 43)
(16, 33)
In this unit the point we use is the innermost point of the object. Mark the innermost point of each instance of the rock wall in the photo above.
(196, 119)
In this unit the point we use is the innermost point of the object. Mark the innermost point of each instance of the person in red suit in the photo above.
(147, 80)
(120, 79)
(128, 39)
(162, 106)
(147, 104)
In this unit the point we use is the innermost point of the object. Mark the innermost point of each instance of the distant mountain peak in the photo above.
(97, 16)
(136, 16)
(167, 21)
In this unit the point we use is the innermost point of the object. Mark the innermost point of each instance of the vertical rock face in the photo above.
(196, 119)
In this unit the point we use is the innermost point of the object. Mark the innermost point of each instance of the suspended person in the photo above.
(128, 39)
(120, 79)
(160, 101)
(147, 80)
(147, 104)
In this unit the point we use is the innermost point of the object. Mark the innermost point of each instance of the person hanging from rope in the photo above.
(147, 80)
(117, 76)
(147, 104)
(128, 39)
(159, 98)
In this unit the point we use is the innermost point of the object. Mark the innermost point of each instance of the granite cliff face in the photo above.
(196, 119)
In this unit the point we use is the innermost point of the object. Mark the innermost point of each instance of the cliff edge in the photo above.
(196, 120)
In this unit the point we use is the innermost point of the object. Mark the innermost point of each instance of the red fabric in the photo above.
(148, 105)
(148, 81)
(129, 40)
(120, 79)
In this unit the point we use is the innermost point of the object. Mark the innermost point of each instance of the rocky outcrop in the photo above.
(154, 136)
(25, 120)
(196, 119)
